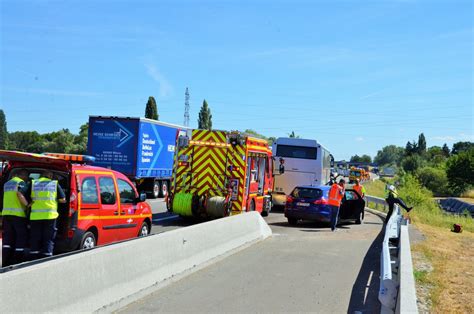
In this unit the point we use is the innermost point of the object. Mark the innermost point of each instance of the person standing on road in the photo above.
(336, 193)
(392, 199)
(15, 212)
(45, 194)
(359, 188)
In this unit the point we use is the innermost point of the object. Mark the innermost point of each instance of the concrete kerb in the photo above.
(106, 278)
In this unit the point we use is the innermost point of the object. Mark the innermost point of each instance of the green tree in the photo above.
(410, 148)
(446, 150)
(421, 146)
(205, 117)
(151, 112)
(436, 155)
(460, 171)
(389, 155)
(355, 158)
(412, 163)
(293, 135)
(461, 147)
(80, 141)
(30, 141)
(434, 179)
(3, 131)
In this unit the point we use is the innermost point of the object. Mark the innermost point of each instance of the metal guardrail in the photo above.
(397, 291)
(377, 201)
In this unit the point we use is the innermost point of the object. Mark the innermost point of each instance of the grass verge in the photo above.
(451, 279)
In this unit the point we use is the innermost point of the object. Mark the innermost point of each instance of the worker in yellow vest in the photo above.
(336, 193)
(45, 195)
(15, 207)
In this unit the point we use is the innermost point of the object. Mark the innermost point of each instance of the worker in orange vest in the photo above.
(336, 193)
(359, 188)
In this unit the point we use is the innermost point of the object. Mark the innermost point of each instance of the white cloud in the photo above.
(359, 139)
(453, 138)
(165, 88)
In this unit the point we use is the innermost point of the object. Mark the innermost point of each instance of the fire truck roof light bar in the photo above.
(73, 157)
(204, 143)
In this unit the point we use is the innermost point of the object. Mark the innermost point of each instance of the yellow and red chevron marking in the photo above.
(209, 169)
(209, 136)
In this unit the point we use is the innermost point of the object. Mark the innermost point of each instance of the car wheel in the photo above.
(88, 241)
(144, 230)
(359, 220)
(292, 221)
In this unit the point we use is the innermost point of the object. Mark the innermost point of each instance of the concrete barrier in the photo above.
(98, 279)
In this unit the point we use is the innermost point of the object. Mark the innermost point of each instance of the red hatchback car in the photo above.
(102, 206)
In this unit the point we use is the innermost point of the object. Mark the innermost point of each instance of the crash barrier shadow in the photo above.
(107, 278)
(455, 206)
(397, 292)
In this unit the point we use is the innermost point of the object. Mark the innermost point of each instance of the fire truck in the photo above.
(220, 173)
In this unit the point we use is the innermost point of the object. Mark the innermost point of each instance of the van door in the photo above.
(109, 210)
(89, 213)
(128, 207)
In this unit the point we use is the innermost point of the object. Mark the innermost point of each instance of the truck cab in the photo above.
(102, 205)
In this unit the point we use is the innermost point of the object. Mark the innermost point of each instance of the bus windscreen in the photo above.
(301, 152)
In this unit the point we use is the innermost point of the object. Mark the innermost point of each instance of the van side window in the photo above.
(107, 190)
(89, 191)
(127, 194)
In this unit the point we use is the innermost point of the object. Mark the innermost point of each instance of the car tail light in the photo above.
(72, 203)
(289, 199)
(321, 201)
(70, 233)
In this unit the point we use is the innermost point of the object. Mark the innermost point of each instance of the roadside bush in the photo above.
(460, 171)
(434, 179)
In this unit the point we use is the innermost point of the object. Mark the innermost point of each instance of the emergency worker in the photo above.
(15, 212)
(392, 199)
(359, 188)
(45, 195)
(336, 193)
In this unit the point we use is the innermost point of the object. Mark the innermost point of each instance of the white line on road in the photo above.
(166, 218)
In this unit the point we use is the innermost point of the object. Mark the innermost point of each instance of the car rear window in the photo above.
(307, 193)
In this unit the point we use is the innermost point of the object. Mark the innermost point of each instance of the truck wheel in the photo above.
(88, 241)
(156, 189)
(163, 188)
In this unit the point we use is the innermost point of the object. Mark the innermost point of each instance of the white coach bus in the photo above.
(306, 163)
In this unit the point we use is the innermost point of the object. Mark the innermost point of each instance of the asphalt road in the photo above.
(305, 268)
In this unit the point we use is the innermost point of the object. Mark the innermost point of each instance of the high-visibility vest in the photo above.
(394, 194)
(11, 203)
(335, 196)
(43, 194)
(359, 189)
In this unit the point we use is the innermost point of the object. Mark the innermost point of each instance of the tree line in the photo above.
(443, 171)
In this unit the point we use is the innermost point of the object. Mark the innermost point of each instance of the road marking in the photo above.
(369, 281)
(165, 218)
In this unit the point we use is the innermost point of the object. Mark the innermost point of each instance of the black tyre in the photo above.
(359, 220)
(163, 188)
(293, 221)
(155, 193)
(144, 230)
(88, 241)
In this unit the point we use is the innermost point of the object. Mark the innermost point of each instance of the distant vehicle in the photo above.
(220, 173)
(102, 205)
(311, 203)
(358, 173)
(142, 149)
(306, 163)
(387, 172)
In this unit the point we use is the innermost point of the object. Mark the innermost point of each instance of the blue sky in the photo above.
(355, 75)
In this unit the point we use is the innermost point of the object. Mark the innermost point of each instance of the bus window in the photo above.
(301, 152)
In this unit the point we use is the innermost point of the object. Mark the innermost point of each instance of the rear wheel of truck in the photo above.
(163, 188)
(156, 190)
